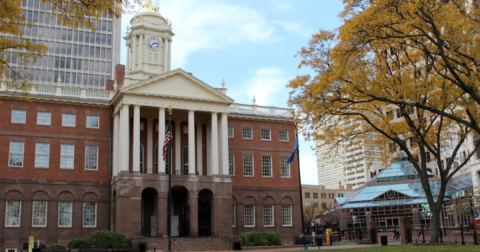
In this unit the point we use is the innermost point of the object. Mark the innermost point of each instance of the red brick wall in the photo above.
(55, 134)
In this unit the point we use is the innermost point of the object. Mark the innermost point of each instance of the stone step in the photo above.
(188, 244)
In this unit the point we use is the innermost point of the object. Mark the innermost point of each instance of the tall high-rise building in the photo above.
(75, 58)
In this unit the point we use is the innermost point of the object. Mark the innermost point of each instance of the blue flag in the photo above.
(290, 159)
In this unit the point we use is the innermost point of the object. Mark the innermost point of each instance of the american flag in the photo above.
(168, 139)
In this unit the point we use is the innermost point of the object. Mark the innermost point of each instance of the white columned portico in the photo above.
(199, 149)
(178, 147)
(116, 144)
(136, 138)
(224, 142)
(161, 140)
(191, 142)
(149, 145)
(214, 144)
(125, 156)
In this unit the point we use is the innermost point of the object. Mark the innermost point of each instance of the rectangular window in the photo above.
(19, 116)
(16, 154)
(248, 165)
(283, 136)
(307, 195)
(13, 213)
(93, 122)
(68, 120)
(230, 132)
(265, 134)
(44, 118)
(247, 133)
(67, 152)
(91, 157)
(268, 216)
(42, 153)
(315, 195)
(249, 216)
(89, 214)
(10, 250)
(64, 214)
(234, 215)
(267, 166)
(231, 164)
(287, 216)
(39, 214)
(284, 167)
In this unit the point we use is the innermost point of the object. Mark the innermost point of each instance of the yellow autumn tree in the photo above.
(71, 13)
(402, 74)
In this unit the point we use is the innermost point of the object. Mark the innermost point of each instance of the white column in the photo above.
(125, 138)
(208, 150)
(224, 142)
(191, 142)
(134, 53)
(214, 145)
(178, 147)
(149, 145)
(140, 52)
(220, 148)
(115, 145)
(136, 138)
(165, 55)
(169, 55)
(199, 149)
(128, 57)
(161, 140)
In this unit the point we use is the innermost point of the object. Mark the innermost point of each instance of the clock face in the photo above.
(153, 43)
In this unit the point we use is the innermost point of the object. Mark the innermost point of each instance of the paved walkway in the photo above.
(298, 248)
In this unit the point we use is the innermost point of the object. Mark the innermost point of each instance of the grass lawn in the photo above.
(420, 248)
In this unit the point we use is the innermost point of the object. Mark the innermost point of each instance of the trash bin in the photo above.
(319, 242)
(383, 240)
(237, 246)
(142, 247)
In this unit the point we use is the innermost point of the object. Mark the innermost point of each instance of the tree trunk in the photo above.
(436, 211)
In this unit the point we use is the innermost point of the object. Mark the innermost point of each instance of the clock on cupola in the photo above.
(149, 44)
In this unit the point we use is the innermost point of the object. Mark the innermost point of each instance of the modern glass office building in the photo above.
(75, 58)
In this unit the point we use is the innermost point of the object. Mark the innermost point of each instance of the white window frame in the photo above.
(267, 166)
(247, 166)
(234, 215)
(247, 133)
(69, 120)
(283, 139)
(13, 219)
(91, 158)
(231, 164)
(42, 153)
(67, 215)
(284, 167)
(287, 216)
(44, 118)
(14, 155)
(42, 214)
(10, 250)
(89, 215)
(231, 132)
(67, 160)
(19, 116)
(265, 135)
(268, 216)
(89, 124)
(249, 220)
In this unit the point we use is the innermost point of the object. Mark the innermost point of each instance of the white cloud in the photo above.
(200, 25)
(268, 87)
(295, 27)
(280, 5)
(308, 165)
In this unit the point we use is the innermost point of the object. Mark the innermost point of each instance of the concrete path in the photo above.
(298, 248)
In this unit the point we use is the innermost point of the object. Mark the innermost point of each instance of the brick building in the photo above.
(76, 160)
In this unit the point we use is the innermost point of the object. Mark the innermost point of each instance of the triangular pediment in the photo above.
(177, 84)
(391, 195)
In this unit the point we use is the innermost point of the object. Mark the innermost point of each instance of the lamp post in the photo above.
(353, 223)
(475, 238)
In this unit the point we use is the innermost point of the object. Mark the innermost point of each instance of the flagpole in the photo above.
(169, 197)
(304, 247)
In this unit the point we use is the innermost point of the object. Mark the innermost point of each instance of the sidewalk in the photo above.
(298, 248)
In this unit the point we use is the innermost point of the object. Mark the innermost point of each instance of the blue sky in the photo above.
(251, 44)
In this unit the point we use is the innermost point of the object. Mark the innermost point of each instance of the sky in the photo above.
(251, 44)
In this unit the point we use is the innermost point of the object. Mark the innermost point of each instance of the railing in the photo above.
(61, 91)
(260, 110)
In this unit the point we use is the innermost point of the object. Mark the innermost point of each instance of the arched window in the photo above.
(168, 159)
(185, 160)
(142, 159)
(156, 159)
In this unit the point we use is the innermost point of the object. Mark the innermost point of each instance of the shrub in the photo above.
(25, 245)
(107, 238)
(78, 243)
(58, 246)
(260, 239)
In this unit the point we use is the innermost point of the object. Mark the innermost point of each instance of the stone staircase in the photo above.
(188, 244)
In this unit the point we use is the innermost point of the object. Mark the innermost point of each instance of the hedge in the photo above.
(261, 239)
